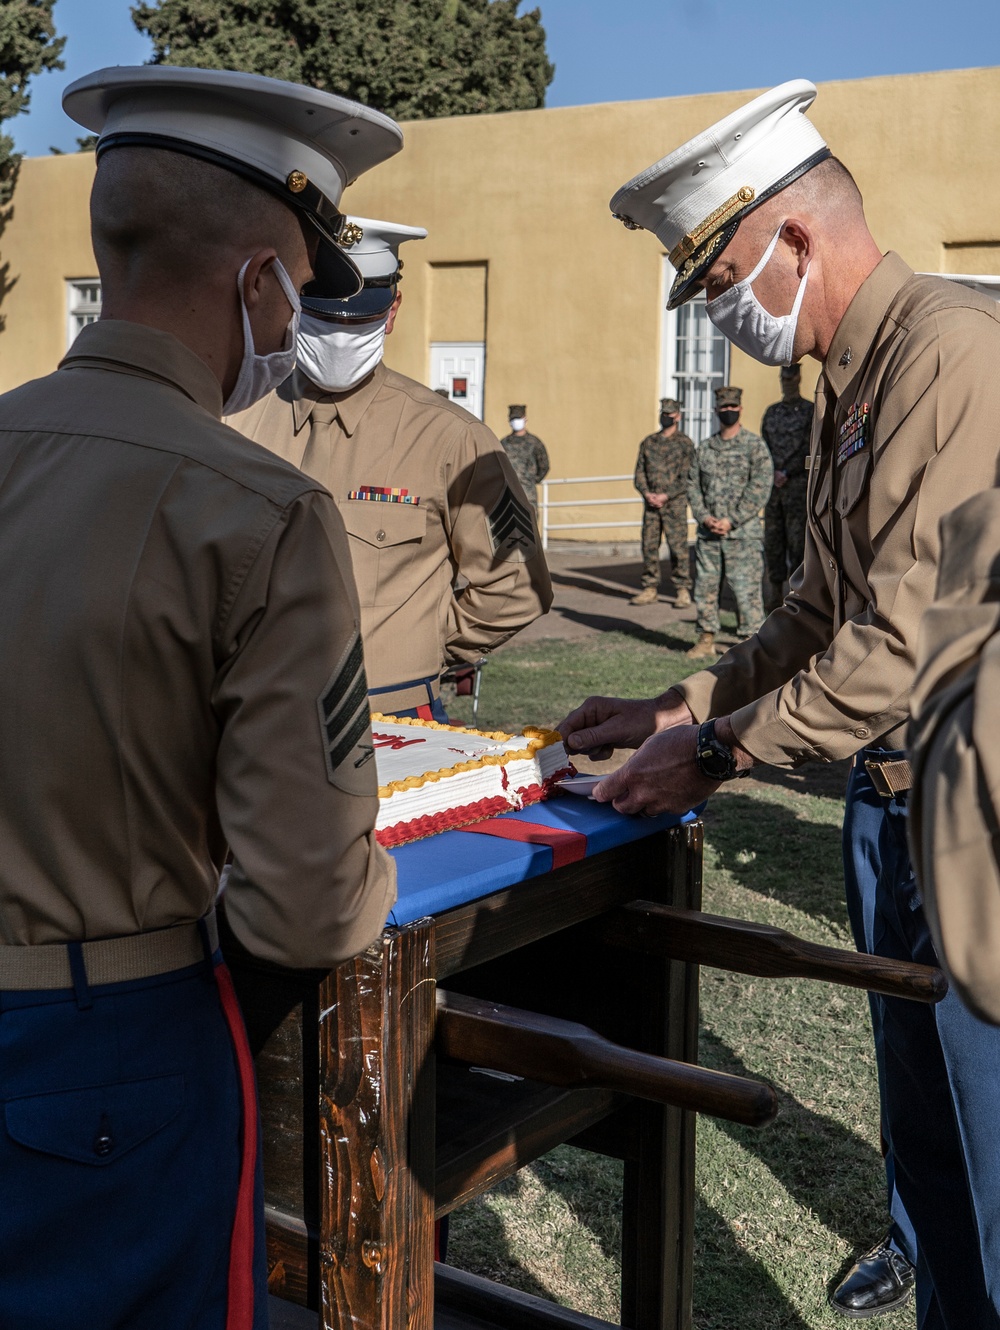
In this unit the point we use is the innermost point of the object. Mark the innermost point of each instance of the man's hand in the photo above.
(656, 500)
(662, 777)
(603, 724)
(779, 479)
(718, 526)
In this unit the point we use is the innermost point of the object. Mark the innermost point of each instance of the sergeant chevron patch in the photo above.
(345, 724)
(512, 531)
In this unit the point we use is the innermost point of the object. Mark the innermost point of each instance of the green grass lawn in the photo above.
(781, 1212)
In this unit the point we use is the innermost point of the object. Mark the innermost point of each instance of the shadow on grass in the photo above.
(731, 1288)
(478, 1242)
(595, 586)
(606, 623)
(771, 850)
(824, 780)
(667, 589)
(625, 574)
(819, 1161)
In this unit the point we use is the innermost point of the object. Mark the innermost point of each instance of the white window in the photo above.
(695, 361)
(986, 284)
(460, 367)
(83, 306)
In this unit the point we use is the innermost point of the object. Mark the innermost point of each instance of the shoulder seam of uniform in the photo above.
(305, 484)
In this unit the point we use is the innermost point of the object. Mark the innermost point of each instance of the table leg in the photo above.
(376, 1030)
(658, 1200)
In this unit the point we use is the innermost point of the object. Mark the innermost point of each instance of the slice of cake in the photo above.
(439, 777)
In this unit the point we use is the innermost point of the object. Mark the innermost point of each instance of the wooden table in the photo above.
(369, 1136)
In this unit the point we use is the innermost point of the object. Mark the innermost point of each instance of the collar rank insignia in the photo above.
(512, 531)
(344, 724)
(853, 433)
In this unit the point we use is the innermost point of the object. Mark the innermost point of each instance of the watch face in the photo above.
(715, 761)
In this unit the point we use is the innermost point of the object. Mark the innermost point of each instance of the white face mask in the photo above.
(336, 356)
(517, 423)
(260, 375)
(743, 319)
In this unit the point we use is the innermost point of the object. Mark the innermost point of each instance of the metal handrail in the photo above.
(546, 504)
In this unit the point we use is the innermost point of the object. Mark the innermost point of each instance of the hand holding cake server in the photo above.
(757, 213)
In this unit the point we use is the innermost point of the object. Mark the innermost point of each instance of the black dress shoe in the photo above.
(877, 1282)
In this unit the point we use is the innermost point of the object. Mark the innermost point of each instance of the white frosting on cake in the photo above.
(432, 777)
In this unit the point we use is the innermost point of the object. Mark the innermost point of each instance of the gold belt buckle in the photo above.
(890, 778)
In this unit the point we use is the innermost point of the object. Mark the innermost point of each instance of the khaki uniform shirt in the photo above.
(468, 519)
(955, 802)
(180, 668)
(905, 427)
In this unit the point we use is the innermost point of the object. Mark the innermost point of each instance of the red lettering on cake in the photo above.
(394, 741)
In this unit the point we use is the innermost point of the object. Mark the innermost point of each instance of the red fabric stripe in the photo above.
(425, 713)
(239, 1311)
(568, 847)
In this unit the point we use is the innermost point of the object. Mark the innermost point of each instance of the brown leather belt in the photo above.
(890, 778)
(113, 960)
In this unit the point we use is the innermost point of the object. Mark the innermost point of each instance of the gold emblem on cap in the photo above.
(350, 235)
(687, 245)
(297, 181)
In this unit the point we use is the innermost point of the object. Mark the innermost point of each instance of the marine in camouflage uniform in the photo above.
(661, 476)
(785, 429)
(527, 454)
(729, 483)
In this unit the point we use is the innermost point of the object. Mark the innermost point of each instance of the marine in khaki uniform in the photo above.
(661, 476)
(956, 786)
(785, 429)
(426, 493)
(904, 430)
(526, 452)
(180, 674)
(728, 485)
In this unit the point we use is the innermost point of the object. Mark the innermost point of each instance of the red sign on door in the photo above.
(460, 387)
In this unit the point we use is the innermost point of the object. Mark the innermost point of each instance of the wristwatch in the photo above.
(716, 760)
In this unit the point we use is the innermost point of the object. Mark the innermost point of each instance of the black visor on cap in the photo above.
(341, 275)
(320, 297)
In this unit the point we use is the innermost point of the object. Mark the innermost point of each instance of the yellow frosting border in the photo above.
(536, 737)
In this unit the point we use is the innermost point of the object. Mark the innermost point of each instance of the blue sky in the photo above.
(626, 49)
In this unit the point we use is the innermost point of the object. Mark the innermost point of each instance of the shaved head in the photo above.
(158, 214)
(827, 195)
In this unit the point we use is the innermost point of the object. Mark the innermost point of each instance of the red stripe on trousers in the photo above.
(239, 1308)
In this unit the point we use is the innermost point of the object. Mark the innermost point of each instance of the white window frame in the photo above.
(691, 385)
(986, 284)
(83, 306)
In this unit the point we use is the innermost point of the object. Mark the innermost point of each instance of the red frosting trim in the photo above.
(451, 819)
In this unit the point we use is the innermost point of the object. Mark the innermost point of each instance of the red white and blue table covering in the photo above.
(457, 867)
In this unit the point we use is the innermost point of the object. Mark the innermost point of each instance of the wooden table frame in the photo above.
(352, 1100)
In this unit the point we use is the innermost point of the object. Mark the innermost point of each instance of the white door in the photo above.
(460, 367)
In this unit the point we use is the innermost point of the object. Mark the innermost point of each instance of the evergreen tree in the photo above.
(414, 59)
(28, 45)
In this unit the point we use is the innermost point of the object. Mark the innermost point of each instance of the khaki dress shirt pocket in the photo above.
(852, 480)
(382, 540)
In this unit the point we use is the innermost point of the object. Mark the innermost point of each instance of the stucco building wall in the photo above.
(524, 254)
